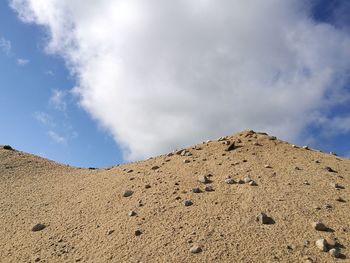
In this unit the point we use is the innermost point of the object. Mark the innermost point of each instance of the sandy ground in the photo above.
(86, 215)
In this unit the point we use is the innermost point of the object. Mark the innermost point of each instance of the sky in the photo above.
(96, 83)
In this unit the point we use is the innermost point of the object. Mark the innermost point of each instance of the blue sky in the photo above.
(40, 115)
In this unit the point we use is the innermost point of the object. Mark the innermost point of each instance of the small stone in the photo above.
(308, 259)
(333, 153)
(196, 249)
(247, 179)
(319, 226)
(252, 183)
(147, 186)
(329, 169)
(209, 188)
(229, 180)
(109, 232)
(317, 161)
(272, 138)
(321, 244)
(37, 259)
(186, 161)
(335, 252)
(294, 146)
(138, 233)
(240, 181)
(196, 190)
(267, 166)
(169, 154)
(231, 147)
(262, 218)
(132, 213)
(306, 147)
(331, 241)
(38, 227)
(203, 179)
(7, 147)
(155, 167)
(188, 203)
(339, 199)
(335, 185)
(128, 193)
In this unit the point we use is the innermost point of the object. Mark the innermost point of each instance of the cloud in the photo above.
(5, 46)
(57, 100)
(56, 137)
(161, 74)
(44, 118)
(22, 61)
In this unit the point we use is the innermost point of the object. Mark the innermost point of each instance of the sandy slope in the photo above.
(87, 219)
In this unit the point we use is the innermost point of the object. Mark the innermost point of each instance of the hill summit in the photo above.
(249, 197)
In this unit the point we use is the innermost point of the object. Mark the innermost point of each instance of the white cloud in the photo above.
(58, 100)
(5, 46)
(44, 118)
(56, 137)
(164, 74)
(22, 61)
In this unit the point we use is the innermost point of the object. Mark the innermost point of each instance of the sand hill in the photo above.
(257, 200)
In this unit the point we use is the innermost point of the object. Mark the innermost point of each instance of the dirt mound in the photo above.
(243, 198)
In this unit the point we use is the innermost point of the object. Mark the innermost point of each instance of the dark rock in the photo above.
(262, 218)
(7, 147)
(38, 227)
(231, 147)
(128, 193)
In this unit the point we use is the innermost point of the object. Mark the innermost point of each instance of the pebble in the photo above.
(7, 147)
(339, 199)
(331, 241)
(209, 188)
(132, 213)
(186, 161)
(253, 183)
(322, 245)
(128, 193)
(203, 179)
(155, 167)
(196, 249)
(294, 146)
(329, 169)
(196, 190)
(306, 147)
(147, 186)
(138, 233)
(335, 252)
(109, 232)
(231, 147)
(38, 227)
(188, 203)
(319, 226)
(262, 218)
(169, 154)
(335, 185)
(267, 166)
(230, 180)
(247, 179)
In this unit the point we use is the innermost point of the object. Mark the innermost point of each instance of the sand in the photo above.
(86, 215)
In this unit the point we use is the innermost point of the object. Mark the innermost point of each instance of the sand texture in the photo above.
(86, 217)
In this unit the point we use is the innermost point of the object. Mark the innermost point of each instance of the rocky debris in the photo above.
(132, 213)
(7, 147)
(231, 147)
(333, 153)
(294, 146)
(209, 188)
(329, 169)
(196, 190)
(186, 153)
(178, 152)
(336, 186)
(187, 202)
(267, 166)
(306, 183)
(240, 181)
(262, 218)
(128, 193)
(170, 154)
(138, 232)
(252, 183)
(186, 161)
(203, 179)
(272, 138)
(38, 227)
(147, 186)
(339, 199)
(305, 147)
(322, 245)
(331, 242)
(335, 252)
(317, 161)
(155, 167)
(256, 144)
(195, 249)
(110, 231)
(230, 180)
(247, 179)
(319, 226)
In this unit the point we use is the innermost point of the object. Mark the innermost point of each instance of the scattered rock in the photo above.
(138, 232)
(335, 252)
(240, 181)
(196, 249)
(252, 183)
(319, 226)
(267, 166)
(147, 186)
(188, 203)
(196, 190)
(132, 213)
(209, 188)
(333, 153)
(329, 169)
(169, 154)
(203, 179)
(336, 186)
(322, 245)
(186, 161)
(247, 179)
(331, 242)
(155, 167)
(230, 180)
(339, 199)
(306, 147)
(7, 147)
(109, 232)
(317, 161)
(262, 218)
(272, 138)
(38, 227)
(231, 147)
(128, 193)
(294, 146)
